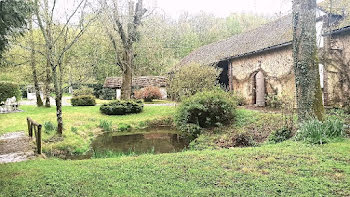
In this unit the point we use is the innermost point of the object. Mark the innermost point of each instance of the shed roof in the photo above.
(267, 36)
(144, 81)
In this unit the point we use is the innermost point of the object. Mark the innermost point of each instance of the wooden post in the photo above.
(30, 128)
(38, 141)
(37, 132)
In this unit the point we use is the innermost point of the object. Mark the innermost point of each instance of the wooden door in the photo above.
(260, 89)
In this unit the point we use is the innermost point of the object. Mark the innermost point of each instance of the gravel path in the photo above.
(15, 147)
(65, 101)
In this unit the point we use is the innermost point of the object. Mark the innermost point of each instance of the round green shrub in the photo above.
(122, 107)
(205, 110)
(83, 91)
(84, 100)
(9, 90)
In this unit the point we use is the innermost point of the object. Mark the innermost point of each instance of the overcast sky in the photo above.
(223, 8)
(220, 8)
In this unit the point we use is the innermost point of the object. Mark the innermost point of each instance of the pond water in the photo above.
(156, 140)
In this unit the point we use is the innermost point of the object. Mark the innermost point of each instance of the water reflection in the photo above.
(155, 141)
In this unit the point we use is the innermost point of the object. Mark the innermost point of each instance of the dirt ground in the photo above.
(16, 147)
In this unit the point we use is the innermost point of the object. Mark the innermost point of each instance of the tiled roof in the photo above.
(278, 32)
(144, 81)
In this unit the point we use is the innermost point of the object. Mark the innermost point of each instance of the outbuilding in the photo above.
(138, 83)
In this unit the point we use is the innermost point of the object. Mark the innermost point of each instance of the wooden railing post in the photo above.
(38, 141)
(30, 128)
(37, 132)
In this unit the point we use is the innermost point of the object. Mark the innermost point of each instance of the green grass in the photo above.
(286, 169)
(85, 120)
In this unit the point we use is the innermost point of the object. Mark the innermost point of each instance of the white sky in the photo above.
(223, 8)
(220, 8)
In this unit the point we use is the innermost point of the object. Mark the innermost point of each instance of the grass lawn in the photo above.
(83, 119)
(286, 169)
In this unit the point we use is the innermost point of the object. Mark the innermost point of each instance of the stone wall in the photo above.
(277, 66)
(337, 69)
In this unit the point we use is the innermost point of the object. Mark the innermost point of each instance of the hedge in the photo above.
(9, 90)
(84, 100)
(122, 107)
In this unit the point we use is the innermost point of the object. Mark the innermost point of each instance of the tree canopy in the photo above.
(13, 17)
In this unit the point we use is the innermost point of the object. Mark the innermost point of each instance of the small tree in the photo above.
(192, 79)
(58, 40)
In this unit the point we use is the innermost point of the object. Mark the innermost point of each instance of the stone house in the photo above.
(138, 83)
(259, 63)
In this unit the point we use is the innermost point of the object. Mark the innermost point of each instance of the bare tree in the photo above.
(39, 102)
(307, 78)
(58, 40)
(125, 25)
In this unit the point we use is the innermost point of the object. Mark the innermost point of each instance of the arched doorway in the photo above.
(260, 89)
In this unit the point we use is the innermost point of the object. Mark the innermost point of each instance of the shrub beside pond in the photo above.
(122, 107)
(205, 110)
(84, 100)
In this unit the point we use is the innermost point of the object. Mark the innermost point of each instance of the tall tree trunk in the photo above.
(307, 78)
(127, 75)
(47, 86)
(39, 102)
(58, 100)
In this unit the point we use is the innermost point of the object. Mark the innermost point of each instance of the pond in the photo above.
(155, 140)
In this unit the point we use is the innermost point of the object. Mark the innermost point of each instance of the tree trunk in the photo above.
(47, 85)
(58, 100)
(127, 75)
(308, 89)
(59, 114)
(39, 102)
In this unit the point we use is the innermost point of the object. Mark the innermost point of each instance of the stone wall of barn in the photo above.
(337, 70)
(277, 67)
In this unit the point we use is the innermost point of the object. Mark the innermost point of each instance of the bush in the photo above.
(281, 135)
(85, 100)
(83, 91)
(108, 94)
(49, 127)
(106, 125)
(192, 79)
(23, 90)
(122, 107)
(98, 89)
(243, 140)
(273, 101)
(317, 132)
(148, 94)
(239, 98)
(123, 127)
(9, 90)
(205, 110)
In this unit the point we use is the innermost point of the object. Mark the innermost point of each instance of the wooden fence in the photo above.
(32, 125)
